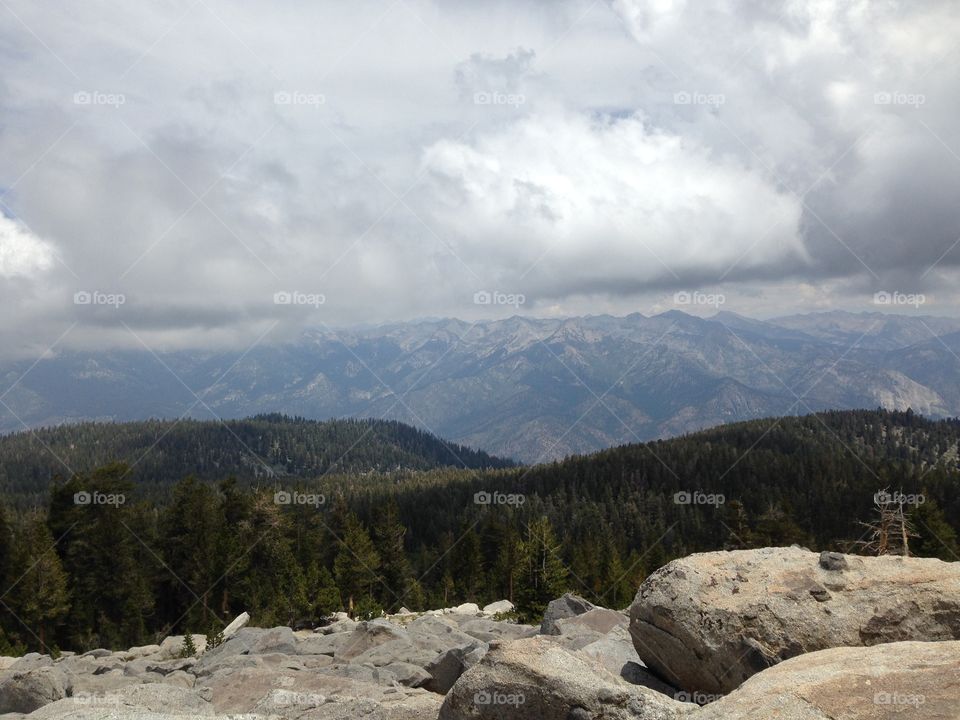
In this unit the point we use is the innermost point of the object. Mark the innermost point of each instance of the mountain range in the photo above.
(528, 389)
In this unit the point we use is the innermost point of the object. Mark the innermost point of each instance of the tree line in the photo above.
(100, 565)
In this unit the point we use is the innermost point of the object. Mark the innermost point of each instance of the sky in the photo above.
(209, 173)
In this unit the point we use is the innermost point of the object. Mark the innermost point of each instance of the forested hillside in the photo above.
(125, 570)
(261, 448)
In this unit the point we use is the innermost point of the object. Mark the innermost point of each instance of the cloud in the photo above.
(22, 254)
(617, 151)
(570, 203)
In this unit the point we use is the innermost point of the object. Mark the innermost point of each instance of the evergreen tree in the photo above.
(389, 534)
(40, 597)
(326, 594)
(357, 565)
(192, 531)
(543, 575)
(936, 537)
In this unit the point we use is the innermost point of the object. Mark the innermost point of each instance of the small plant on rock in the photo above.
(214, 638)
(189, 648)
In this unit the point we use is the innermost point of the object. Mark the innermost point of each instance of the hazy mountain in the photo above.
(524, 388)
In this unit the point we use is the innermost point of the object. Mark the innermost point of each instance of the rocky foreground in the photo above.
(774, 633)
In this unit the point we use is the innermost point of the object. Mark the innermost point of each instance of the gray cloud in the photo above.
(201, 158)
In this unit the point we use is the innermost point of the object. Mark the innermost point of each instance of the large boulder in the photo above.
(709, 621)
(536, 679)
(884, 682)
(23, 691)
(566, 606)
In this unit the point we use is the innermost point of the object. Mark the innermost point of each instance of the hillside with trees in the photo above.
(258, 449)
(104, 563)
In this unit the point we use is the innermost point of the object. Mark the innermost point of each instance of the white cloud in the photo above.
(577, 202)
(21, 252)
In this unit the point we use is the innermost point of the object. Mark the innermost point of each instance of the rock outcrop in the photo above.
(23, 691)
(710, 621)
(537, 679)
(884, 682)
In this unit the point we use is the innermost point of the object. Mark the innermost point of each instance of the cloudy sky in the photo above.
(168, 168)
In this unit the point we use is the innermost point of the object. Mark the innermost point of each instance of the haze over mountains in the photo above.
(523, 388)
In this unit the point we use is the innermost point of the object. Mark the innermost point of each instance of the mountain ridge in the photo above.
(526, 388)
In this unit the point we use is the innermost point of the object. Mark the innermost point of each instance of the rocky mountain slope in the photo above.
(523, 388)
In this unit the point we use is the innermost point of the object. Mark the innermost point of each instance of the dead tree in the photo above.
(890, 532)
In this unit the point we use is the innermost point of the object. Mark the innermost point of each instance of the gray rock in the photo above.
(565, 606)
(580, 630)
(23, 691)
(275, 640)
(322, 644)
(536, 679)
(884, 682)
(172, 646)
(31, 661)
(341, 625)
(407, 674)
(501, 606)
(833, 561)
(709, 621)
(447, 667)
(236, 625)
(489, 630)
(368, 635)
(151, 701)
(615, 652)
(240, 644)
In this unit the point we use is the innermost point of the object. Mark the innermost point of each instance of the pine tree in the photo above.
(326, 596)
(389, 534)
(357, 564)
(736, 523)
(191, 530)
(936, 537)
(543, 576)
(41, 596)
